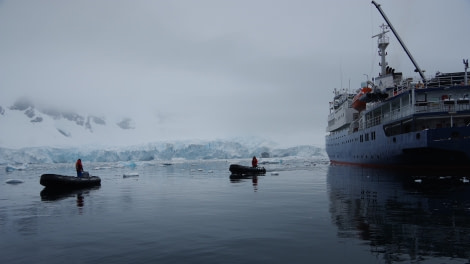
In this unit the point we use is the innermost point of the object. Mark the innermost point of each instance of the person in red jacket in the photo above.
(254, 162)
(79, 168)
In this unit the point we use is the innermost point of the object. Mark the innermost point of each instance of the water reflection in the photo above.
(236, 178)
(80, 201)
(57, 194)
(401, 216)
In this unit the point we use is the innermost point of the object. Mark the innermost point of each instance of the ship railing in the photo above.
(443, 106)
(389, 116)
(373, 121)
(439, 80)
(445, 80)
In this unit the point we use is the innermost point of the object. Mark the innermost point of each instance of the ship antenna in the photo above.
(465, 62)
(401, 42)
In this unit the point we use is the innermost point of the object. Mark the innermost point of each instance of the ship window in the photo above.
(397, 128)
(367, 137)
(418, 135)
(394, 140)
(407, 128)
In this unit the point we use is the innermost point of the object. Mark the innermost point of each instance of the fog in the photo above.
(216, 69)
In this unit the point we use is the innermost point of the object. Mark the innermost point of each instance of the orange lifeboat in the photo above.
(357, 103)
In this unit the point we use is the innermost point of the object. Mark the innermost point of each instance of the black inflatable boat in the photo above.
(69, 182)
(245, 170)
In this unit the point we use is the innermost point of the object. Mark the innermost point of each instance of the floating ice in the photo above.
(13, 181)
(10, 168)
(131, 174)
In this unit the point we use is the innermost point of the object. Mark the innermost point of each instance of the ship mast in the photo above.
(382, 43)
(418, 69)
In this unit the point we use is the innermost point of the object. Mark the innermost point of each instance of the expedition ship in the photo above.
(393, 121)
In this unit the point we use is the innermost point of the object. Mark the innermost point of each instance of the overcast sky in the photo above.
(213, 69)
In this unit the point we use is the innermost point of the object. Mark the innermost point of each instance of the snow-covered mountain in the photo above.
(35, 134)
(26, 125)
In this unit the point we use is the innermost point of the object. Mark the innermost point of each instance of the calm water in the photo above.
(191, 212)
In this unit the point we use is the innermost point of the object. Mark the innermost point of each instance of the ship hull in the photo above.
(443, 148)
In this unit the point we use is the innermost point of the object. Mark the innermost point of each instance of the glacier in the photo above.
(217, 149)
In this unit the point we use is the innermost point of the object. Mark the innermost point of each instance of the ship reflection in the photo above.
(402, 216)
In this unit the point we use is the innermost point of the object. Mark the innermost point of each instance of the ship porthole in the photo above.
(394, 140)
(418, 135)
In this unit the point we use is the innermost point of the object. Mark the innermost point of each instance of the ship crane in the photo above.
(418, 69)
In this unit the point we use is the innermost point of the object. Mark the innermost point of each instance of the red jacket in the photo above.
(78, 165)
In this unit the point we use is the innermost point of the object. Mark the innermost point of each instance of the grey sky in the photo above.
(211, 69)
